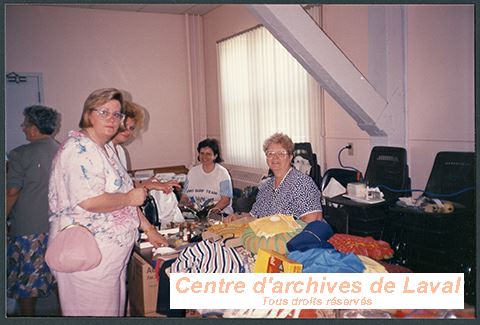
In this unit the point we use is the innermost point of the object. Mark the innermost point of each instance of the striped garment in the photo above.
(208, 257)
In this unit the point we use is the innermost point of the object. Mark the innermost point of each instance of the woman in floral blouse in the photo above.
(89, 185)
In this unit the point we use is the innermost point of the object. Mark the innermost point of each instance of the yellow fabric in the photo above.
(273, 225)
(277, 243)
(228, 229)
(372, 266)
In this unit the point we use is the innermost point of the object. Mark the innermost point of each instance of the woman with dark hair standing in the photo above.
(209, 180)
(27, 208)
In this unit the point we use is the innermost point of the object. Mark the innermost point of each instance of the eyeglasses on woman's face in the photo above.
(279, 154)
(105, 114)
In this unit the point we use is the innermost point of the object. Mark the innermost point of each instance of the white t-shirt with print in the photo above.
(201, 186)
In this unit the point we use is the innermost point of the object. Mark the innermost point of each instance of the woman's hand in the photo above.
(215, 210)
(233, 217)
(312, 217)
(230, 218)
(185, 201)
(137, 196)
(155, 238)
(167, 187)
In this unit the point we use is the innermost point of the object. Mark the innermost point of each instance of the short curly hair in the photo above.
(45, 118)
(279, 138)
(135, 112)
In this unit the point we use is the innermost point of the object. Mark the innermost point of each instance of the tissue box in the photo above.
(357, 190)
(269, 261)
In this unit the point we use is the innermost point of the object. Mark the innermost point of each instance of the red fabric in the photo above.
(157, 270)
(367, 246)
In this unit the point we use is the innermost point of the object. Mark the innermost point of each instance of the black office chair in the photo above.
(343, 176)
(304, 150)
(453, 172)
(387, 168)
(337, 218)
(436, 242)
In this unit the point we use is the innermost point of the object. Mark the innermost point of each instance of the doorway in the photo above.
(21, 90)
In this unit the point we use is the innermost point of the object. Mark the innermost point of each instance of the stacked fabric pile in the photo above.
(271, 232)
(317, 249)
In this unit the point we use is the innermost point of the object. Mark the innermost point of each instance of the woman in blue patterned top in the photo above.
(289, 191)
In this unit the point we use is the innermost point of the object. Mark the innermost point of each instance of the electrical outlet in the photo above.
(350, 150)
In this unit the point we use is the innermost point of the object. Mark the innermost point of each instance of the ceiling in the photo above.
(179, 9)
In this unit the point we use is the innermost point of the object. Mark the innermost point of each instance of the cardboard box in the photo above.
(136, 313)
(269, 261)
(142, 286)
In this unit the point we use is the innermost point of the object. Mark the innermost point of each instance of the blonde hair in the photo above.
(135, 112)
(96, 99)
(281, 139)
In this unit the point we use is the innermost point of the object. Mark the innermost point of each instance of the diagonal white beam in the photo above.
(301, 36)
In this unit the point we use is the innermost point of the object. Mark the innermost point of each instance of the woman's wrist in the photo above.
(149, 229)
(215, 208)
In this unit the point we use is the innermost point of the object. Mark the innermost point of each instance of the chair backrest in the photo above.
(453, 172)
(343, 176)
(388, 166)
(304, 150)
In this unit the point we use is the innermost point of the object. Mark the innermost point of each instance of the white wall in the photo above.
(440, 84)
(439, 79)
(80, 50)
(352, 39)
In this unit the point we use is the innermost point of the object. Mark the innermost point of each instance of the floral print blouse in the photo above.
(82, 170)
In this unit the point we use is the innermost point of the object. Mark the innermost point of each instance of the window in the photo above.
(263, 90)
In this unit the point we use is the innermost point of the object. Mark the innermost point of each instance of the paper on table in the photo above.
(181, 178)
(165, 177)
(142, 175)
(164, 251)
(334, 188)
(163, 232)
(360, 200)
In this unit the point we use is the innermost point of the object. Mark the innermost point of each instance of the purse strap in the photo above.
(75, 224)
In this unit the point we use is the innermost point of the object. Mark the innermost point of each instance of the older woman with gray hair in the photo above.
(289, 191)
(28, 276)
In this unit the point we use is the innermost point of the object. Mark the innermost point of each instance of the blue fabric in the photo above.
(322, 260)
(28, 275)
(314, 235)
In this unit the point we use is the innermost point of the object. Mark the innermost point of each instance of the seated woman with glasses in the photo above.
(209, 181)
(289, 191)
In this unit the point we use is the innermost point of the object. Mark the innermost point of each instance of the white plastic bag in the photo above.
(167, 206)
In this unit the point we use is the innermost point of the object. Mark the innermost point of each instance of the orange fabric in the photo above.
(367, 246)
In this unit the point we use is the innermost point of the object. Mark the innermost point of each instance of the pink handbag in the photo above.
(73, 249)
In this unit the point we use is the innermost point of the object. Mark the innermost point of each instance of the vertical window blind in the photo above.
(263, 90)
